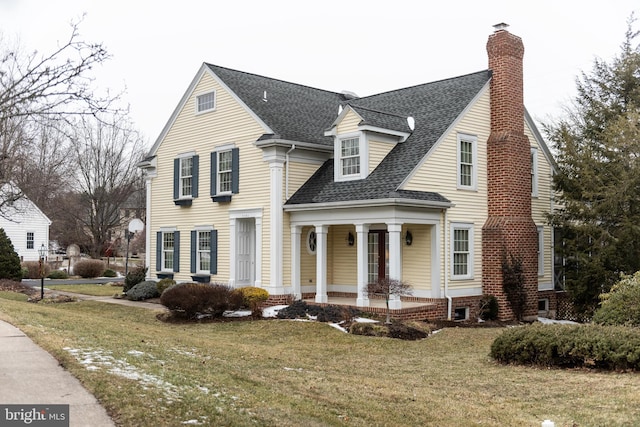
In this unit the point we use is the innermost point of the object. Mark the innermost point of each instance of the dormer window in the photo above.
(350, 153)
(206, 102)
(350, 156)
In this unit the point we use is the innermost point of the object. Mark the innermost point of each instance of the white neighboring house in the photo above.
(26, 226)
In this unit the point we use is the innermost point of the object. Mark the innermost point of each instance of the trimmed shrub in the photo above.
(133, 277)
(163, 284)
(143, 290)
(195, 300)
(253, 298)
(570, 346)
(9, 260)
(621, 305)
(109, 273)
(488, 307)
(32, 269)
(58, 274)
(400, 330)
(88, 268)
(369, 329)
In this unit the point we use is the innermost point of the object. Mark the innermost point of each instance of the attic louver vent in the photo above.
(264, 96)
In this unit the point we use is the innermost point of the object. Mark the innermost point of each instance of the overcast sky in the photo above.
(366, 47)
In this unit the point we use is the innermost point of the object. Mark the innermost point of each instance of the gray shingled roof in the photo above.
(294, 112)
(301, 113)
(434, 106)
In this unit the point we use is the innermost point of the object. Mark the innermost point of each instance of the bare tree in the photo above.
(41, 88)
(388, 288)
(106, 155)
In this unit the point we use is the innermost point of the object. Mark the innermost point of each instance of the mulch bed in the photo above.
(13, 286)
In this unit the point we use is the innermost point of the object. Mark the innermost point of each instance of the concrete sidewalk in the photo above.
(29, 375)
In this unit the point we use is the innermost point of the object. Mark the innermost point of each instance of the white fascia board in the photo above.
(203, 69)
(368, 203)
(444, 134)
(402, 136)
(540, 140)
(277, 142)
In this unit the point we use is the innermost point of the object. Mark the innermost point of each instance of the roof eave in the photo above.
(394, 201)
(278, 142)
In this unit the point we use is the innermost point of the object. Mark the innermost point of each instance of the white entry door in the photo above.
(245, 248)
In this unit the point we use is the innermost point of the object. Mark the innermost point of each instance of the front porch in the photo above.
(412, 308)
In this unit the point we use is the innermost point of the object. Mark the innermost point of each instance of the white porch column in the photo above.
(232, 252)
(395, 260)
(321, 263)
(275, 157)
(295, 261)
(258, 244)
(435, 261)
(147, 237)
(362, 231)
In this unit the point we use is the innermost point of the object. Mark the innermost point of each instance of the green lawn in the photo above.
(89, 289)
(288, 373)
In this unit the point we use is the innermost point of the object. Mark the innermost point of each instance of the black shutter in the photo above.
(214, 252)
(176, 251)
(194, 253)
(214, 173)
(235, 170)
(194, 176)
(176, 179)
(159, 251)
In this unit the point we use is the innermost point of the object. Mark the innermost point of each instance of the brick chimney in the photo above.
(509, 229)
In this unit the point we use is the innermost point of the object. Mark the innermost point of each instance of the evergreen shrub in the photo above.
(9, 261)
(109, 273)
(58, 274)
(133, 277)
(621, 305)
(143, 290)
(163, 284)
(570, 346)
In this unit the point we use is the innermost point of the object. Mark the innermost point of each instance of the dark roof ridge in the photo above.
(376, 111)
(418, 85)
(208, 64)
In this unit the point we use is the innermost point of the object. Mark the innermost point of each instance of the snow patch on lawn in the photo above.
(546, 321)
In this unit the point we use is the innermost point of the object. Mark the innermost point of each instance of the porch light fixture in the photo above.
(408, 238)
(350, 239)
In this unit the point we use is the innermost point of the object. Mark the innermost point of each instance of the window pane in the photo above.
(30, 240)
(206, 101)
(350, 156)
(461, 252)
(466, 163)
(186, 172)
(224, 171)
(167, 250)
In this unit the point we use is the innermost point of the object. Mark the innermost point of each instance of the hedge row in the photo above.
(568, 346)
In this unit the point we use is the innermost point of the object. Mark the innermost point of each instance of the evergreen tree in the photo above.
(598, 182)
(9, 262)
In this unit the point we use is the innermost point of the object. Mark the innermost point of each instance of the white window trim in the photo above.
(218, 172)
(198, 230)
(364, 156)
(180, 177)
(311, 251)
(462, 226)
(162, 252)
(474, 165)
(540, 250)
(215, 102)
(534, 172)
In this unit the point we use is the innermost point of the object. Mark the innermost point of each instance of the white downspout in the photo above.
(286, 172)
(446, 267)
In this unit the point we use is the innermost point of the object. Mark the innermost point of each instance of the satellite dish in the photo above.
(411, 122)
(136, 225)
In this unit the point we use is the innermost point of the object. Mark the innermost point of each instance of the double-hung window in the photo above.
(461, 251)
(168, 250)
(30, 240)
(350, 157)
(185, 178)
(204, 251)
(168, 242)
(467, 162)
(225, 173)
(206, 102)
(534, 172)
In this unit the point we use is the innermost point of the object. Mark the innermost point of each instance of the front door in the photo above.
(378, 255)
(245, 252)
